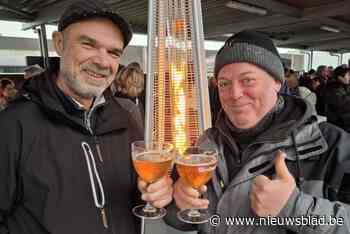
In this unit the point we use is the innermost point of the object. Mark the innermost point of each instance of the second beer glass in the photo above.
(196, 166)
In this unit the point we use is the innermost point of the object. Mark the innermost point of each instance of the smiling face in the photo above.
(247, 93)
(90, 54)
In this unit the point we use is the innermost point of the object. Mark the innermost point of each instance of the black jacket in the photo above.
(44, 178)
(320, 93)
(337, 104)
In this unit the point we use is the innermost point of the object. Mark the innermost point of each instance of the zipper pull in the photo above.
(98, 149)
(222, 184)
(104, 217)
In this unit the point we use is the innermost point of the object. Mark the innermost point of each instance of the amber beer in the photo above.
(197, 169)
(152, 165)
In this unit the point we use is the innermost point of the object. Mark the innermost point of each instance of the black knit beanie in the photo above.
(251, 47)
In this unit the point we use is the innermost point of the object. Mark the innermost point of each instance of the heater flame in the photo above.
(179, 104)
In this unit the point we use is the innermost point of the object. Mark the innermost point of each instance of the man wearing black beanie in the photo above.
(280, 170)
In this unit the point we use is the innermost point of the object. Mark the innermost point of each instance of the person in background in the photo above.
(306, 79)
(337, 98)
(128, 89)
(130, 83)
(285, 89)
(300, 91)
(330, 71)
(65, 157)
(7, 92)
(322, 74)
(315, 83)
(275, 158)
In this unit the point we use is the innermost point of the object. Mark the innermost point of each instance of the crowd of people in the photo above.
(65, 164)
(327, 89)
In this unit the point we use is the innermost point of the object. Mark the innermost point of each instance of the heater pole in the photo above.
(205, 114)
(150, 76)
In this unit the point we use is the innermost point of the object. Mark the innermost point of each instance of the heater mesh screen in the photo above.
(175, 87)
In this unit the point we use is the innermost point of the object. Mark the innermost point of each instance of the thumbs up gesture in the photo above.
(268, 197)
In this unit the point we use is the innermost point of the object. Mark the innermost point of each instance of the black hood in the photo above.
(42, 90)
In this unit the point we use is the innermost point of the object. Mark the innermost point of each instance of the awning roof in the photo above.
(291, 23)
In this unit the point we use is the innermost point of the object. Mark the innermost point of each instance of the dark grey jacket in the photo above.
(318, 156)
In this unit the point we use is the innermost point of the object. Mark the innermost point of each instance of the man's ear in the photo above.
(58, 42)
(279, 85)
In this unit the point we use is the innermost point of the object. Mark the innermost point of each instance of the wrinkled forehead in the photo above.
(236, 70)
(101, 30)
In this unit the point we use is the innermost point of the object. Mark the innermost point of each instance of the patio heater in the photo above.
(177, 100)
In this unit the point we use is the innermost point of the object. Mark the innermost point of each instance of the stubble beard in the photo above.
(83, 88)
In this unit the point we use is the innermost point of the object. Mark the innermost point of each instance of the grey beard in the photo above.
(82, 89)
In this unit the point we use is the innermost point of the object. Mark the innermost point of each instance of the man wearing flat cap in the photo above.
(65, 164)
(280, 169)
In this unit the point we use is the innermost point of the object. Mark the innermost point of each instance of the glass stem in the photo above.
(194, 213)
(149, 208)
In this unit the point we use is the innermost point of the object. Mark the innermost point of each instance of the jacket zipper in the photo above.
(104, 209)
(98, 149)
(87, 123)
(93, 172)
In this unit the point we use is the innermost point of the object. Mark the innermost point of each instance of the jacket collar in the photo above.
(43, 90)
(309, 142)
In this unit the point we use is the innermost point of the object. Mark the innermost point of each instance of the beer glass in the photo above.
(151, 160)
(196, 166)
